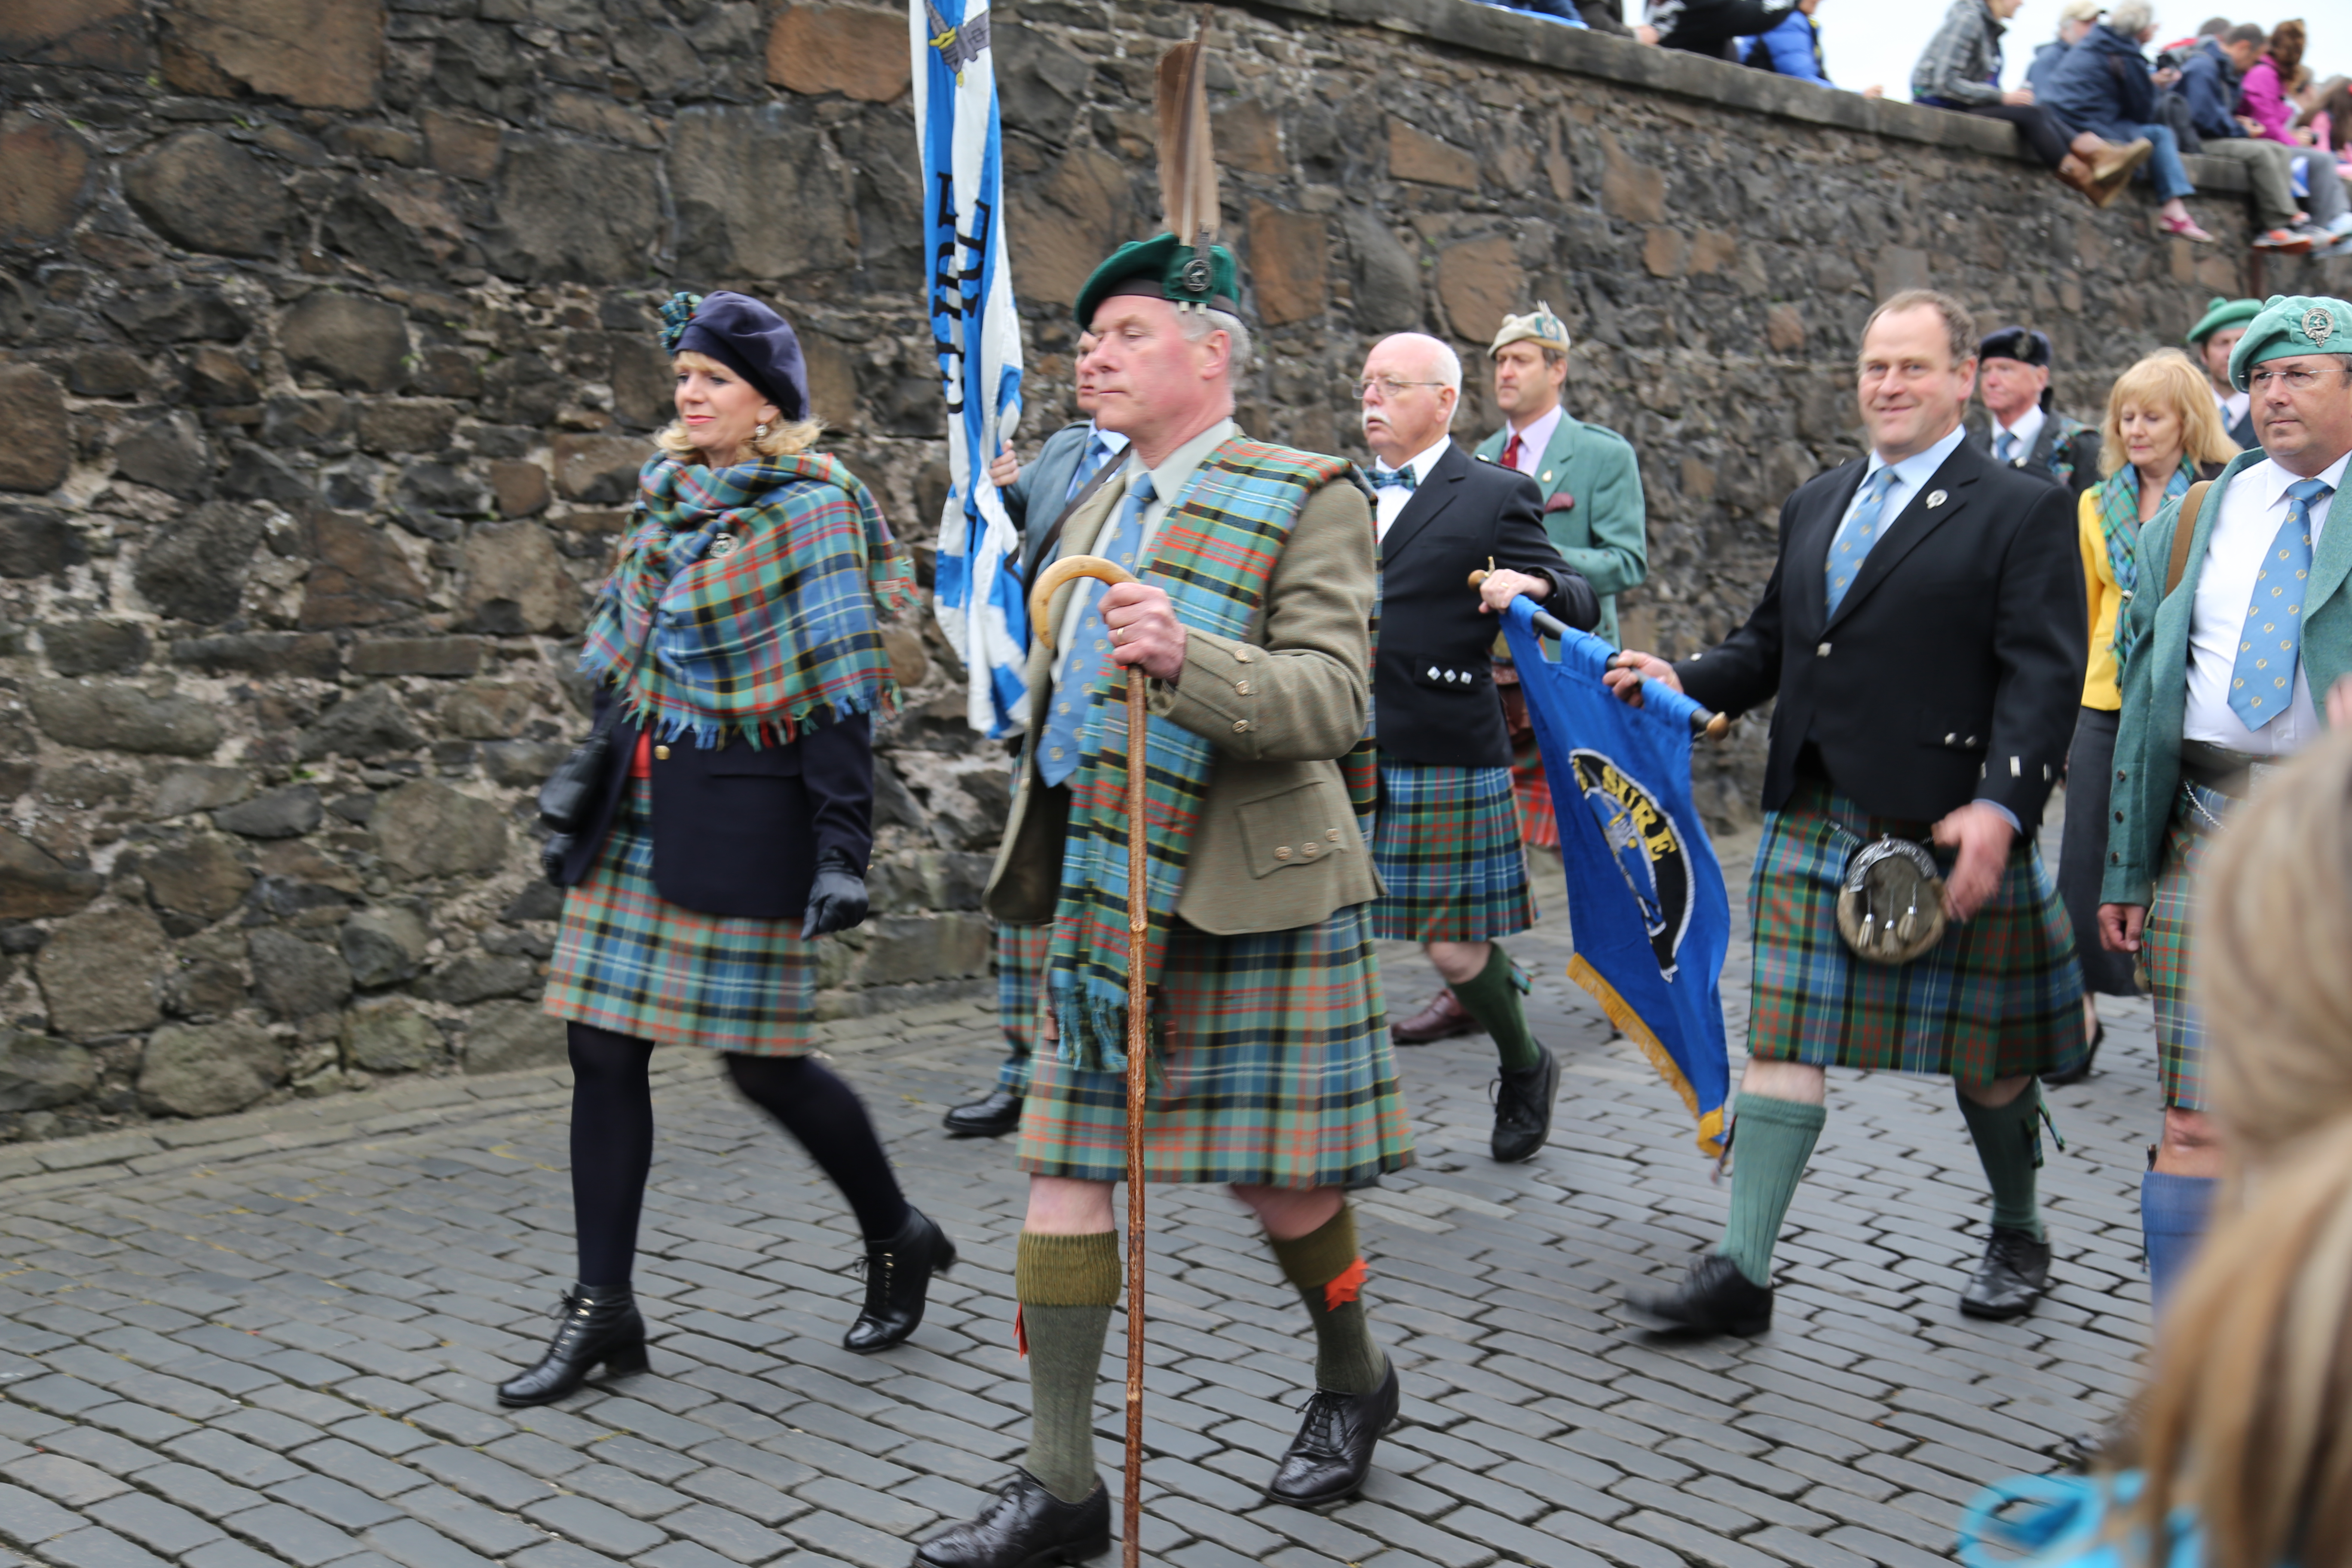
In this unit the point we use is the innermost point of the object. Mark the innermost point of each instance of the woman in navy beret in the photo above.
(739, 658)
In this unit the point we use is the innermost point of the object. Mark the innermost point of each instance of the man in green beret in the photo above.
(2236, 635)
(1271, 1070)
(2212, 340)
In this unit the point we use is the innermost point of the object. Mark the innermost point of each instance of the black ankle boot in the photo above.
(897, 1277)
(598, 1323)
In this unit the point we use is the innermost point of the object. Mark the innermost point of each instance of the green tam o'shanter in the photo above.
(2292, 324)
(1164, 267)
(2222, 313)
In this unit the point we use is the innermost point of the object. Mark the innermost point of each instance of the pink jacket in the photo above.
(2261, 99)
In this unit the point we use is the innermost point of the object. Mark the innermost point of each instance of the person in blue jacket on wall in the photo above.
(1794, 50)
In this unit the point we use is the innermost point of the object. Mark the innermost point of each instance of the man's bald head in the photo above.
(1410, 384)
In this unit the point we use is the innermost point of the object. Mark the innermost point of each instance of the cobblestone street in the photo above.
(275, 1342)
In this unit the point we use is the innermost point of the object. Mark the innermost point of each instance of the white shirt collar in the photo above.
(1113, 441)
(1421, 462)
(1175, 471)
(1920, 467)
(2274, 480)
(2027, 429)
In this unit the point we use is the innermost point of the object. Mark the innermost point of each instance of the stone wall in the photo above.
(326, 361)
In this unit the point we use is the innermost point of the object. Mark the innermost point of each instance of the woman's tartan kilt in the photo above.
(2164, 948)
(1446, 844)
(1272, 1068)
(629, 961)
(1999, 997)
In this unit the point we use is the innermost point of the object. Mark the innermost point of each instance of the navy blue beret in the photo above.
(748, 339)
(2019, 343)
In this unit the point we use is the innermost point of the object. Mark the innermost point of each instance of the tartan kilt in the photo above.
(1021, 953)
(629, 961)
(1537, 825)
(1998, 997)
(1273, 1069)
(1446, 845)
(2164, 952)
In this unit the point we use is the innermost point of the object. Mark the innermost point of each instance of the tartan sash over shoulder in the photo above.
(760, 637)
(1214, 555)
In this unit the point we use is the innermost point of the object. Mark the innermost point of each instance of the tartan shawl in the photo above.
(1215, 554)
(2119, 525)
(763, 639)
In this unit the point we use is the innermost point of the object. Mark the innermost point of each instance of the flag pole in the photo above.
(1138, 927)
(1704, 721)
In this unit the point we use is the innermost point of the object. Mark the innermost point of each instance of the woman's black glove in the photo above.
(836, 898)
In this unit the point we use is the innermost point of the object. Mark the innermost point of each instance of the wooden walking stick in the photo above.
(1139, 924)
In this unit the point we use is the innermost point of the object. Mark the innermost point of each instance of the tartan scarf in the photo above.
(1215, 554)
(761, 636)
(2119, 524)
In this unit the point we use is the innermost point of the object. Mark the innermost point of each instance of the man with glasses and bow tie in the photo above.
(1446, 838)
(2237, 642)
(1922, 641)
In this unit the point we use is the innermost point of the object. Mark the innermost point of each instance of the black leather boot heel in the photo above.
(897, 1279)
(599, 1325)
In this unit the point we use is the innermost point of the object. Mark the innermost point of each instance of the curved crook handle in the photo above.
(1069, 569)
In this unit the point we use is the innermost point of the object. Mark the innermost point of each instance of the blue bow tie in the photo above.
(1401, 479)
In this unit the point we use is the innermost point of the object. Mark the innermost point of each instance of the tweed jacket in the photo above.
(1603, 530)
(1281, 706)
(2156, 678)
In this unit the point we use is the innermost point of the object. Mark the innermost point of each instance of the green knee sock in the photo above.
(1493, 998)
(1066, 1286)
(2008, 1143)
(1328, 1271)
(1771, 1140)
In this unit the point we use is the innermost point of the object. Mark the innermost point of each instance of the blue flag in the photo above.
(979, 598)
(1646, 904)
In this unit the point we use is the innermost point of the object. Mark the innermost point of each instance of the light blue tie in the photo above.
(2005, 449)
(1856, 536)
(2262, 683)
(1074, 696)
(1097, 453)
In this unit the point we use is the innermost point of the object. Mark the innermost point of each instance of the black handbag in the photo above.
(565, 798)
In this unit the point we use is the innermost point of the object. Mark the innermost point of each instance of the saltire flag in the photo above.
(969, 298)
(1646, 904)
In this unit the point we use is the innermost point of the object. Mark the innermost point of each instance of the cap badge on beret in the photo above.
(676, 311)
(2318, 325)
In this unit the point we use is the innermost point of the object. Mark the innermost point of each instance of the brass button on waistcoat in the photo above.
(661, 753)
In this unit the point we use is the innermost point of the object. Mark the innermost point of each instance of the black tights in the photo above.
(613, 1142)
(2042, 133)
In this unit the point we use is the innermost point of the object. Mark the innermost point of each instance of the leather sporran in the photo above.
(1890, 907)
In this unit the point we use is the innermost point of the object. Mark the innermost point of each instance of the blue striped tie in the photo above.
(1073, 695)
(2262, 681)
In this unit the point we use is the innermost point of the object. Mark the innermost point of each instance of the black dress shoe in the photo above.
(1523, 1109)
(599, 1323)
(992, 1115)
(2080, 1069)
(1715, 1298)
(1026, 1527)
(2012, 1278)
(898, 1277)
(1332, 1454)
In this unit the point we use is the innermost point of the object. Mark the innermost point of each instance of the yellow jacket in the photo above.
(2103, 599)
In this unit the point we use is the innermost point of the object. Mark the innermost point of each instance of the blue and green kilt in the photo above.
(1999, 997)
(628, 960)
(1273, 1069)
(1020, 972)
(1447, 846)
(2164, 948)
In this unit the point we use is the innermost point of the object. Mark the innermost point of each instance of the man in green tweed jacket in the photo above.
(2226, 674)
(1271, 1070)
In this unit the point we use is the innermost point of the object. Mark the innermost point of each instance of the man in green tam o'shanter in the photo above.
(2212, 339)
(2237, 637)
(1271, 1070)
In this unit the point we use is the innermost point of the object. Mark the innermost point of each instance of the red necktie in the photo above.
(1511, 451)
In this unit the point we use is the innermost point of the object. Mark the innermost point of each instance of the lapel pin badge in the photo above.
(1935, 500)
(723, 546)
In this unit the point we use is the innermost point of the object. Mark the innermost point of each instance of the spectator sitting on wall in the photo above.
(1794, 50)
(1713, 26)
(1961, 70)
(2074, 19)
(2331, 119)
(2263, 94)
(1607, 16)
(2209, 86)
(2104, 86)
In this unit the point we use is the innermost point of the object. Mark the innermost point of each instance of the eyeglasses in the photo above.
(2292, 379)
(1389, 386)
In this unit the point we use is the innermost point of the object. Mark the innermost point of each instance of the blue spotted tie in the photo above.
(2262, 683)
(1856, 536)
(1074, 702)
(1097, 453)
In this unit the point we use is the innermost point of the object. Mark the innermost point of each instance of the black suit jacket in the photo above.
(1433, 698)
(1954, 666)
(739, 830)
(2045, 444)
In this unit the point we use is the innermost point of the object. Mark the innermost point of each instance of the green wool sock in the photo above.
(1493, 998)
(2008, 1144)
(1772, 1140)
(1327, 1270)
(1066, 1286)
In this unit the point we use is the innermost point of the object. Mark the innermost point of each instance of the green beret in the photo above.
(2292, 324)
(2222, 313)
(1162, 267)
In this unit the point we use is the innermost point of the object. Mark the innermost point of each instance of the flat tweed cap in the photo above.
(2292, 324)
